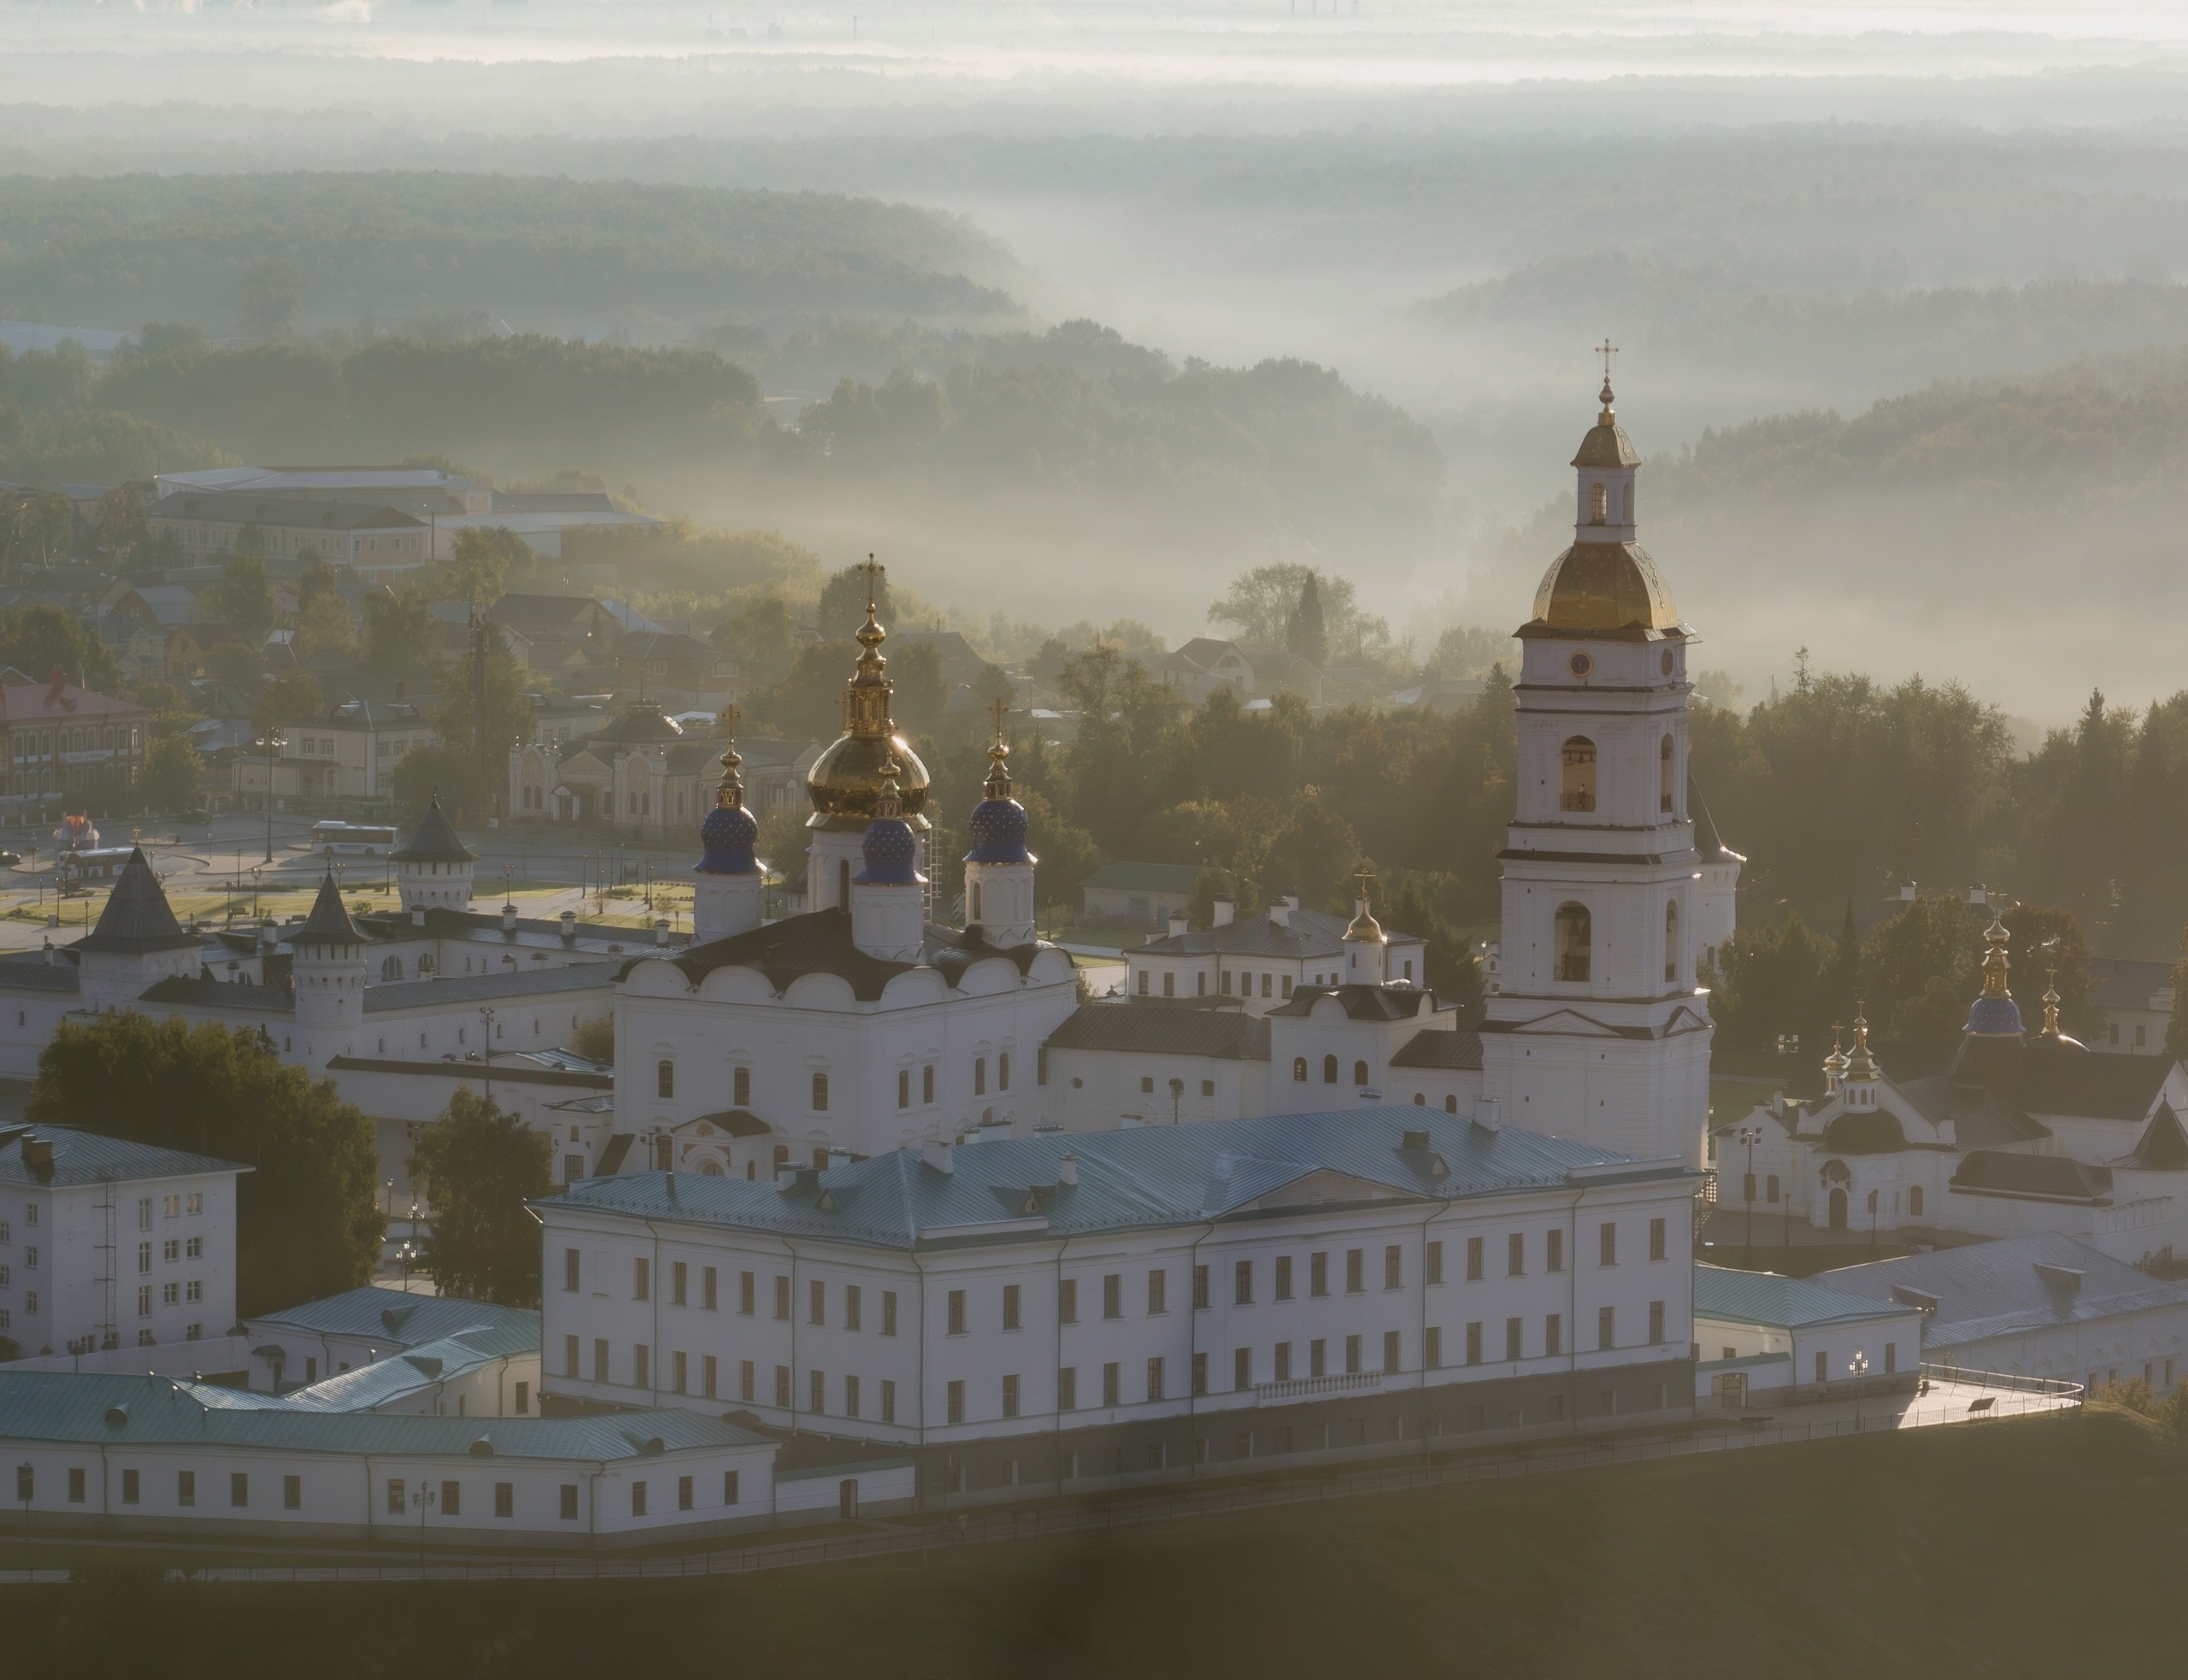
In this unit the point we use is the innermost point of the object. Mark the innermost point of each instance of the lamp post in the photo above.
(424, 1502)
(272, 742)
(1749, 1134)
(1857, 1368)
(486, 1036)
(1177, 1096)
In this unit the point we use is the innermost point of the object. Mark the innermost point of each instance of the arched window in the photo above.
(1872, 1208)
(392, 969)
(976, 900)
(1419, 1101)
(903, 1088)
(1575, 942)
(1914, 1201)
(1598, 504)
(740, 1086)
(1577, 792)
(1664, 775)
(1299, 1069)
(926, 1083)
(1329, 1070)
(1003, 1071)
(1671, 942)
(664, 1078)
(980, 1076)
(1360, 1073)
(1626, 503)
(820, 1093)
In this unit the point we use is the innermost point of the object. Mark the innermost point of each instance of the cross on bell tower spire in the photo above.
(1605, 350)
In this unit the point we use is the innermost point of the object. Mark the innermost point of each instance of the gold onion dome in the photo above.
(1605, 586)
(1861, 1066)
(1364, 929)
(845, 784)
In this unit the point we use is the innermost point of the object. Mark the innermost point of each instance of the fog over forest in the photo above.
(1132, 298)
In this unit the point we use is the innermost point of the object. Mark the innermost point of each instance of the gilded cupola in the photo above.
(846, 783)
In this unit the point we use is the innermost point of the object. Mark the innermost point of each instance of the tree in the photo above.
(173, 775)
(1263, 603)
(272, 287)
(244, 600)
(37, 530)
(307, 1225)
(1469, 650)
(288, 697)
(37, 640)
(485, 558)
(457, 720)
(1313, 854)
(762, 637)
(426, 774)
(1304, 632)
(324, 624)
(1920, 971)
(399, 637)
(2176, 1023)
(483, 1165)
(122, 529)
(843, 603)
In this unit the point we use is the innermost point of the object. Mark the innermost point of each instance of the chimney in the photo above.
(937, 1154)
(1068, 1170)
(38, 1156)
(417, 915)
(569, 926)
(1177, 924)
(1484, 1113)
(1279, 913)
(660, 933)
(1415, 1140)
(508, 918)
(1224, 911)
(52, 957)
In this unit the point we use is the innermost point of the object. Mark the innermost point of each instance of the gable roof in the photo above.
(93, 1158)
(395, 1316)
(1433, 1047)
(137, 917)
(2127, 983)
(1142, 1179)
(2163, 1146)
(2012, 1285)
(1155, 1028)
(1784, 1303)
(1305, 936)
(2038, 1178)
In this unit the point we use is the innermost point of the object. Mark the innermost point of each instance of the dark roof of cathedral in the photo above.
(1433, 1047)
(434, 841)
(820, 942)
(1362, 1003)
(1308, 934)
(30, 971)
(329, 923)
(1153, 1027)
(1864, 1131)
(1980, 1118)
(203, 993)
(137, 918)
(2163, 1146)
(2051, 1177)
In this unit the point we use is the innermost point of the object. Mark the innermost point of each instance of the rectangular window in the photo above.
(1512, 1337)
(729, 1487)
(683, 1493)
(641, 1365)
(1553, 1335)
(888, 1402)
(747, 1380)
(1242, 1284)
(1200, 1288)
(1657, 1243)
(1066, 1388)
(1432, 1264)
(710, 1298)
(1891, 1349)
(1474, 1259)
(641, 1279)
(1606, 1327)
(1158, 1293)
(1112, 1384)
(75, 1486)
(1242, 1370)
(1515, 1254)
(129, 1487)
(1554, 1250)
(678, 1275)
(1394, 1267)
(600, 1359)
(239, 1490)
(850, 1396)
(1432, 1347)
(1113, 1295)
(852, 1306)
(677, 1367)
(1010, 1396)
(782, 1387)
(1607, 1245)
(638, 1499)
(1154, 1378)
(1391, 1349)
(452, 1499)
(1283, 1362)
(888, 1312)
(1283, 1277)
(1655, 1322)
(395, 1501)
(816, 1302)
(1355, 1270)
(571, 1263)
(957, 1402)
(1318, 1274)
(903, 1088)
(1010, 1307)
(1351, 1355)
(782, 1299)
(746, 1287)
(956, 1311)
(569, 1501)
(709, 1374)
(292, 1493)
(570, 1357)
(816, 1385)
(1317, 1357)
(523, 1398)
(505, 1499)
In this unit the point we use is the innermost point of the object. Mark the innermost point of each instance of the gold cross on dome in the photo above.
(1605, 350)
(730, 718)
(997, 708)
(873, 582)
(1367, 880)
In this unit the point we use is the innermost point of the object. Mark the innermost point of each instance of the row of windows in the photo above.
(664, 1083)
(185, 1205)
(402, 1496)
(36, 743)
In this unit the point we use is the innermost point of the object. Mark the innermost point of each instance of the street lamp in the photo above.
(271, 742)
(1177, 1095)
(1750, 1134)
(1857, 1368)
(487, 1031)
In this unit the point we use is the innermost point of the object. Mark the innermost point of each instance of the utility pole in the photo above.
(481, 632)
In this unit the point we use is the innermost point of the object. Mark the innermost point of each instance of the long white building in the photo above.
(1060, 1311)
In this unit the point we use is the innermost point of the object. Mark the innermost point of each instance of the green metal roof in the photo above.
(399, 1318)
(1783, 1303)
(91, 1158)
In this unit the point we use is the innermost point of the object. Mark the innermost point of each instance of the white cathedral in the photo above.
(861, 1024)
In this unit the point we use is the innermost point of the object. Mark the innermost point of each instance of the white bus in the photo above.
(336, 839)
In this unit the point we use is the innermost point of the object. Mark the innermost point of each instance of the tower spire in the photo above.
(998, 782)
(868, 696)
(1606, 350)
(729, 793)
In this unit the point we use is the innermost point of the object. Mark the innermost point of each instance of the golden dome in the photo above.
(1605, 586)
(848, 780)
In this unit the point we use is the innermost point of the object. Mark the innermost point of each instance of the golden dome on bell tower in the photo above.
(847, 782)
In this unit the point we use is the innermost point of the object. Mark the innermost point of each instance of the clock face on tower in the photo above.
(1581, 665)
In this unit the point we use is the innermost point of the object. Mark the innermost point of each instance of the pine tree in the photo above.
(1305, 634)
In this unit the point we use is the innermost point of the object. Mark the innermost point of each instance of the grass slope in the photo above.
(2004, 1549)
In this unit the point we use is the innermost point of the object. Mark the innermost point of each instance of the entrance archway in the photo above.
(1837, 1207)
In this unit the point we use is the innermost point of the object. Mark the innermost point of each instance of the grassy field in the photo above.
(2038, 1548)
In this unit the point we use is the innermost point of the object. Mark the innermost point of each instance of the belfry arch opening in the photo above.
(1665, 757)
(1577, 767)
(1671, 942)
(1575, 942)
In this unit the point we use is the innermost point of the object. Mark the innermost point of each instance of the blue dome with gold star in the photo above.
(998, 829)
(729, 834)
(891, 850)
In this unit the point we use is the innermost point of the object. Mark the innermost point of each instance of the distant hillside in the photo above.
(561, 254)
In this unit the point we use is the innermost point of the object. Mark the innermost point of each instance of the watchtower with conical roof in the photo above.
(433, 866)
(327, 975)
(1597, 1031)
(137, 944)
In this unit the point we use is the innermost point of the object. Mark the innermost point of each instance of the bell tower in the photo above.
(1598, 1031)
